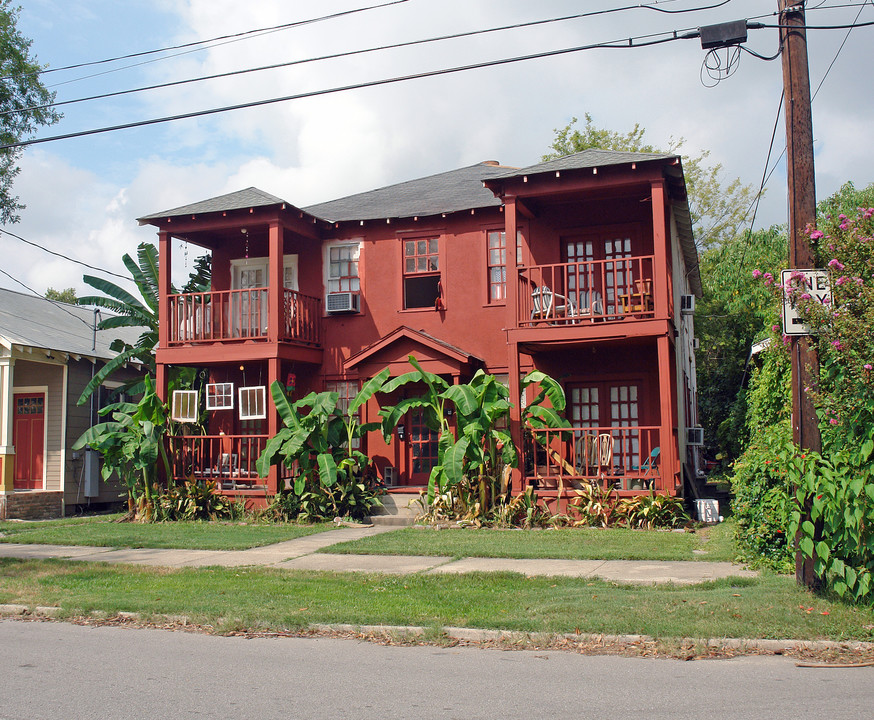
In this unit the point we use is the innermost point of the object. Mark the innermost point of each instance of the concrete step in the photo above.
(397, 509)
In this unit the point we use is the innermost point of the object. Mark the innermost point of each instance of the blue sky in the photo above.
(84, 194)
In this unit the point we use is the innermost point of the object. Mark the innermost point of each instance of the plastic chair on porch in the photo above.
(604, 447)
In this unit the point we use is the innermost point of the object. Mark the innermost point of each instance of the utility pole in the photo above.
(802, 212)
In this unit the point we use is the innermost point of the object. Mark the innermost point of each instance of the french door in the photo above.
(613, 405)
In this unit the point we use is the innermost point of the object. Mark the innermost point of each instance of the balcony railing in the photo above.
(227, 459)
(585, 292)
(228, 315)
(624, 458)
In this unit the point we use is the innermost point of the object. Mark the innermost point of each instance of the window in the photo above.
(220, 396)
(421, 273)
(347, 390)
(343, 268)
(184, 406)
(253, 402)
(497, 264)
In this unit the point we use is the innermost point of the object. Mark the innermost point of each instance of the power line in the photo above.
(622, 44)
(57, 305)
(235, 37)
(65, 257)
(350, 53)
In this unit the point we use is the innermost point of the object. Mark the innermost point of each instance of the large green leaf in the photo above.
(280, 400)
(463, 397)
(368, 390)
(453, 461)
(327, 469)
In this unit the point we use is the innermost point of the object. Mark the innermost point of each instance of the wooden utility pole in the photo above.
(802, 212)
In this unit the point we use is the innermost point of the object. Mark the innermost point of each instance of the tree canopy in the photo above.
(718, 209)
(23, 101)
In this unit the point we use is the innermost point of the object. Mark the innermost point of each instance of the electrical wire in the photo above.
(57, 305)
(235, 37)
(348, 53)
(629, 43)
(65, 257)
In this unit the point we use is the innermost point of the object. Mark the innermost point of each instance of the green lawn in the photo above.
(104, 531)
(712, 544)
(770, 606)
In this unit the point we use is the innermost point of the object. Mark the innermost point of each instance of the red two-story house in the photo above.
(583, 267)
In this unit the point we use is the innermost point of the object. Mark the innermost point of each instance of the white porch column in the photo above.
(7, 451)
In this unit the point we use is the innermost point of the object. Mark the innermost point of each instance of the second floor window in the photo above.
(343, 268)
(497, 264)
(421, 273)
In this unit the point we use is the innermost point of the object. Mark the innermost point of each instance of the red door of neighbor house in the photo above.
(421, 446)
(28, 437)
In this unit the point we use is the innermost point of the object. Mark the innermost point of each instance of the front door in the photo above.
(421, 446)
(28, 437)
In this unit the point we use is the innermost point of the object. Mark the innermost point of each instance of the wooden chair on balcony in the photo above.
(640, 300)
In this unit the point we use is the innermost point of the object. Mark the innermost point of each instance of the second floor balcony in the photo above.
(237, 315)
(564, 294)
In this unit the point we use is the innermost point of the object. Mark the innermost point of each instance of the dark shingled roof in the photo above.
(446, 192)
(240, 200)
(590, 158)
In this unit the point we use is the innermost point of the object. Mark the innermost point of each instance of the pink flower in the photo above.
(835, 263)
(775, 328)
(832, 421)
(757, 274)
(816, 235)
(805, 296)
(837, 344)
(841, 280)
(867, 366)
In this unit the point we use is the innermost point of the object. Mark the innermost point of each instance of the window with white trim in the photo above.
(220, 396)
(252, 402)
(184, 406)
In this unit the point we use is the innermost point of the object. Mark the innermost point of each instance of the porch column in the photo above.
(164, 274)
(7, 451)
(275, 318)
(662, 285)
(670, 462)
(511, 234)
(274, 367)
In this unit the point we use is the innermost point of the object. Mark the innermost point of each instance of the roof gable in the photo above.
(396, 347)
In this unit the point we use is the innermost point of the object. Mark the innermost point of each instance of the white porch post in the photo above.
(7, 451)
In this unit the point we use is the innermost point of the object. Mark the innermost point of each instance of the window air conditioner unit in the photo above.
(695, 436)
(687, 304)
(341, 302)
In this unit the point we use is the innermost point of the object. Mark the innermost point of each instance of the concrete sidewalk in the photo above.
(302, 554)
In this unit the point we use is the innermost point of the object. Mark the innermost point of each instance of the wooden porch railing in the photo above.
(574, 293)
(227, 315)
(227, 459)
(625, 458)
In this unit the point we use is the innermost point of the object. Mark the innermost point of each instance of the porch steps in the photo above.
(396, 510)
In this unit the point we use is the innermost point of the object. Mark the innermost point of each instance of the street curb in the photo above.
(511, 637)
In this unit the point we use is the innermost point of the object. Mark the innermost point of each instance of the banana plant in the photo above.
(318, 437)
(132, 445)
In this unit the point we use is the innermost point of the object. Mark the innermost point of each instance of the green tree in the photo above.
(23, 98)
(67, 295)
(718, 209)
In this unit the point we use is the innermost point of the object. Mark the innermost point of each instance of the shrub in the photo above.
(761, 507)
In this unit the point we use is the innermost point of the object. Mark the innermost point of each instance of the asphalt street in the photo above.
(58, 670)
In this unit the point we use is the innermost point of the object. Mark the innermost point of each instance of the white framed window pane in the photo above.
(253, 402)
(184, 406)
(220, 396)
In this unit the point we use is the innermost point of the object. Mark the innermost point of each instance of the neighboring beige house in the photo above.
(48, 353)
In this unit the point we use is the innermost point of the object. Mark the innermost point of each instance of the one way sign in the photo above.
(813, 283)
